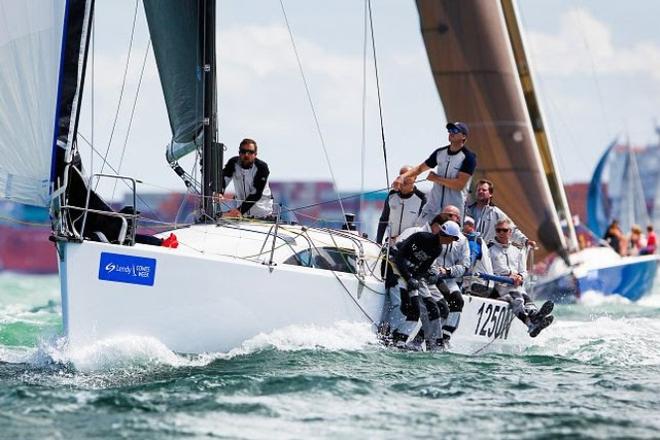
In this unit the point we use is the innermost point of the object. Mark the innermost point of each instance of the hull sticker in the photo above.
(127, 269)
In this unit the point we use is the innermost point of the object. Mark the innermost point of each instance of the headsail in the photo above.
(41, 67)
(473, 65)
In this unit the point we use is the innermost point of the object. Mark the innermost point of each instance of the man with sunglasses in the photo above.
(250, 177)
(510, 261)
(454, 166)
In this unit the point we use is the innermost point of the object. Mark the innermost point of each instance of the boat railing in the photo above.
(125, 232)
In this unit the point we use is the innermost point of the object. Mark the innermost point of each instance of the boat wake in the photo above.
(130, 351)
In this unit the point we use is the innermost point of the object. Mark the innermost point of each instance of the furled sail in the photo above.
(41, 66)
(177, 38)
(473, 64)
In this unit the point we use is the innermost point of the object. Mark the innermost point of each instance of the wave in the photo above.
(603, 340)
(130, 351)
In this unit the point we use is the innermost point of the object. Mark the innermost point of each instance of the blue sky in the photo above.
(596, 64)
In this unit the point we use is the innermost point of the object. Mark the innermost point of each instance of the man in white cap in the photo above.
(451, 265)
(413, 258)
(454, 166)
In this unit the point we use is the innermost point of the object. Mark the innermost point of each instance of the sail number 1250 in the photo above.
(494, 321)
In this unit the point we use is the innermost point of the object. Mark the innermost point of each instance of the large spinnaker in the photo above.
(473, 65)
(34, 37)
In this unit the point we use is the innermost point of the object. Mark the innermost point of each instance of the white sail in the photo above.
(30, 52)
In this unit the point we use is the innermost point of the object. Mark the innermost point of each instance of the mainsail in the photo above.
(183, 39)
(41, 68)
(175, 30)
(473, 64)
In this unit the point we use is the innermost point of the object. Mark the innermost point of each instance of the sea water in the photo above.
(595, 373)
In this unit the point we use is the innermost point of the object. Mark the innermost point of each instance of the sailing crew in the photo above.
(509, 261)
(486, 215)
(402, 208)
(413, 260)
(451, 265)
(479, 260)
(250, 177)
(454, 166)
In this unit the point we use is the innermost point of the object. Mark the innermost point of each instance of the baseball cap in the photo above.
(468, 220)
(460, 126)
(450, 229)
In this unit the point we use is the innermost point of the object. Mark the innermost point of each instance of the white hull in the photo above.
(206, 302)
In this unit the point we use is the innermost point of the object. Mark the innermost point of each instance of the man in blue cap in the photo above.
(454, 166)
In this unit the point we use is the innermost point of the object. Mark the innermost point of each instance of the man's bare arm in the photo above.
(413, 172)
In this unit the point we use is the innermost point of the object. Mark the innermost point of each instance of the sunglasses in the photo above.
(502, 229)
(453, 130)
(242, 151)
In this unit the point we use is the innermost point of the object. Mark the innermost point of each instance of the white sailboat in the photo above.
(228, 281)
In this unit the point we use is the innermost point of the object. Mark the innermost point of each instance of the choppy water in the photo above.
(593, 374)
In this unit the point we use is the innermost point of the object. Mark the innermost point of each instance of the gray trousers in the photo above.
(399, 322)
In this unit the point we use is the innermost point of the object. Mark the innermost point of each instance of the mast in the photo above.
(211, 151)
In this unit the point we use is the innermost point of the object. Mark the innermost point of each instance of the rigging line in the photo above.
(593, 72)
(363, 146)
(189, 190)
(130, 120)
(311, 104)
(339, 199)
(91, 156)
(380, 104)
(94, 150)
(121, 92)
(348, 292)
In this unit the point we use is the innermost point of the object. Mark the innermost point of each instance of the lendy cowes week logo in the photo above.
(127, 269)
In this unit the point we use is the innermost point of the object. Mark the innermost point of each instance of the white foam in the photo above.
(128, 351)
(341, 336)
(595, 298)
(619, 341)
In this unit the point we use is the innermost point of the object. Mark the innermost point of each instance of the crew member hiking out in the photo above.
(413, 260)
(509, 261)
(454, 166)
(451, 265)
(250, 177)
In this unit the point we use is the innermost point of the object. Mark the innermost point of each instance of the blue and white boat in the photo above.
(600, 268)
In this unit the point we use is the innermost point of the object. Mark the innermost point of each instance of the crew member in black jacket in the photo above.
(413, 259)
(250, 177)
